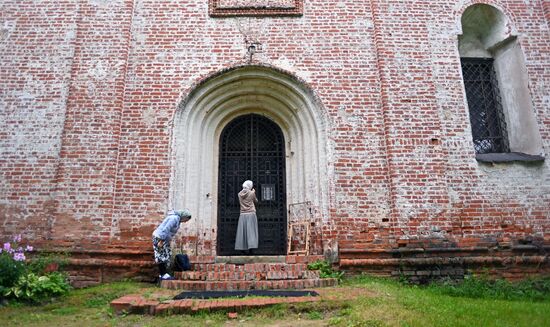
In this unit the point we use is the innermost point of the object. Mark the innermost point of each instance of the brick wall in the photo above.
(37, 52)
(89, 89)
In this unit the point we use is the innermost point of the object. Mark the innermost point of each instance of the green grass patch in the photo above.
(399, 304)
(325, 270)
(63, 311)
(376, 302)
(315, 315)
(483, 287)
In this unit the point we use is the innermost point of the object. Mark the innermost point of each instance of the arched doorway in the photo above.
(252, 147)
(198, 124)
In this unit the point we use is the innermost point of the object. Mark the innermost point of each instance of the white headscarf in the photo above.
(247, 185)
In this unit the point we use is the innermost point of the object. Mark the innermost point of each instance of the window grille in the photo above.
(486, 115)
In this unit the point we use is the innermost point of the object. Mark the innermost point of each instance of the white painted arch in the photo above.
(201, 117)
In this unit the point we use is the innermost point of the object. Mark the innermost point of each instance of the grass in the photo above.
(482, 287)
(375, 302)
(407, 305)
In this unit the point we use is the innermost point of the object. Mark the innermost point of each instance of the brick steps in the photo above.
(290, 259)
(200, 285)
(214, 276)
(137, 304)
(247, 267)
(239, 276)
(247, 272)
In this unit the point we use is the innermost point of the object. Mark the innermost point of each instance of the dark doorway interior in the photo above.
(252, 147)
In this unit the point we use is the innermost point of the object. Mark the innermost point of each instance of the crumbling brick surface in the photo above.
(88, 91)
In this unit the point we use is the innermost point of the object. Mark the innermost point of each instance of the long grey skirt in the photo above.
(247, 232)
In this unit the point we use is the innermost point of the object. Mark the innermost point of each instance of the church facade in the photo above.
(392, 135)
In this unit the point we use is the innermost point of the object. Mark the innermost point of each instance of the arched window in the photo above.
(496, 84)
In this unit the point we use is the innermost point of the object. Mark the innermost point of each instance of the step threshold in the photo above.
(242, 259)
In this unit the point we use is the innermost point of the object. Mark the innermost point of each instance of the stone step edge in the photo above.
(247, 276)
(247, 267)
(137, 304)
(247, 285)
(481, 260)
(288, 259)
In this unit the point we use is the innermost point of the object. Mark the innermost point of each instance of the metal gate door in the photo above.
(252, 147)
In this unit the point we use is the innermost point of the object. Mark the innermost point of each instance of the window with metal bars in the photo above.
(486, 115)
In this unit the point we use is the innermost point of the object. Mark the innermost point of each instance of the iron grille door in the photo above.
(252, 147)
(486, 116)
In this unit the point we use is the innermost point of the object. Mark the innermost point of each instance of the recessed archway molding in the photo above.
(211, 105)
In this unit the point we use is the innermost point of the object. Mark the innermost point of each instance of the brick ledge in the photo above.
(444, 261)
(138, 304)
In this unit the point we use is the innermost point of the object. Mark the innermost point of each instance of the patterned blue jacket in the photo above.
(169, 227)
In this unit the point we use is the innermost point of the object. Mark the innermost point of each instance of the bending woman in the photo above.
(162, 237)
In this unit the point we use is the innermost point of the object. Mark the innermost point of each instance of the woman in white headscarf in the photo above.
(247, 228)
